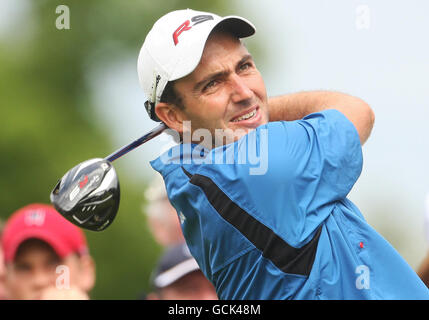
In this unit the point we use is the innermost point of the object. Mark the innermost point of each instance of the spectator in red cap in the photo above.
(46, 256)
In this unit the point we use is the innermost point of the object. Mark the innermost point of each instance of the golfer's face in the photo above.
(225, 91)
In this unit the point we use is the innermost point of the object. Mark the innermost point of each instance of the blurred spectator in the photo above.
(46, 256)
(162, 218)
(178, 277)
(2, 269)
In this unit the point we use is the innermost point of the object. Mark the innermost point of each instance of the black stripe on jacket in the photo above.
(279, 252)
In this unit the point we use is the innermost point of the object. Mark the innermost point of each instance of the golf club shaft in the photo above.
(136, 143)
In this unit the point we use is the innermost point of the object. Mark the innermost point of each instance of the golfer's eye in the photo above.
(245, 66)
(210, 85)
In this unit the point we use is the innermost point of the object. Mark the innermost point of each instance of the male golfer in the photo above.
(284, 230)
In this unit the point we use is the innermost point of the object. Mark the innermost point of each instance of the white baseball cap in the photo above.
(174, 46)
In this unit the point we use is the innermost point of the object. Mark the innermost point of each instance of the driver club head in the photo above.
(88, 194)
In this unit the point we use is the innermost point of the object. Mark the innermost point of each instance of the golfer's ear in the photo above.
(171, 115)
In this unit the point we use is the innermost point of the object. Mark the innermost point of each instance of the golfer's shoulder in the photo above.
(329, 121)
(322, 124)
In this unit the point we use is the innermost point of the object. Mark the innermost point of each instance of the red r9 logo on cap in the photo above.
(185, 26)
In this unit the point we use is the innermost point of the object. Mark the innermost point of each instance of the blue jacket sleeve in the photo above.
(327, 155)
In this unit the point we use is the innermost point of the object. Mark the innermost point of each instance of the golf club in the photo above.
(88, 194)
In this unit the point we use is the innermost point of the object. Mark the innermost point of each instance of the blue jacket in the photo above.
(267, 217)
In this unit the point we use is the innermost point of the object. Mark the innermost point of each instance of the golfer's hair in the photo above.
(170, 95)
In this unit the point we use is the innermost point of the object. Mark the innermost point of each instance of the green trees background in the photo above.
(48, 123)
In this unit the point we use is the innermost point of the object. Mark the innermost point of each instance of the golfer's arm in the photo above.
(297, 105)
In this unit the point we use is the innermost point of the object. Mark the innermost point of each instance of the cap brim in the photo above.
(173, 274)
(238, 26)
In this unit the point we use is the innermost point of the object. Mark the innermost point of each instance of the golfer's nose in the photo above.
(241, 93)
